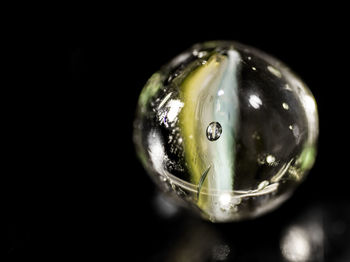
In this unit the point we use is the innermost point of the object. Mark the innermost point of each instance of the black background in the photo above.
(76, 189)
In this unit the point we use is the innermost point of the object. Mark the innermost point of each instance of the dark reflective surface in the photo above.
(311, 231)
(77, 191)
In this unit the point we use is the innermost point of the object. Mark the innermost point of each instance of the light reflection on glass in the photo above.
(156, 151)
(255, 101)
(274, 71)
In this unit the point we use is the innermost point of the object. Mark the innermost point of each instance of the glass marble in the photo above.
(227, 130)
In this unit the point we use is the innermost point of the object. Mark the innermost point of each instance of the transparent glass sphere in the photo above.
(227, 129)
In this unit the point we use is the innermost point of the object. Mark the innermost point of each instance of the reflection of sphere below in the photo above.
(228, 129)
(304, 239)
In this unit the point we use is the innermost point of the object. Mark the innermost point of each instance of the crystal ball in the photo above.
(227, 130)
